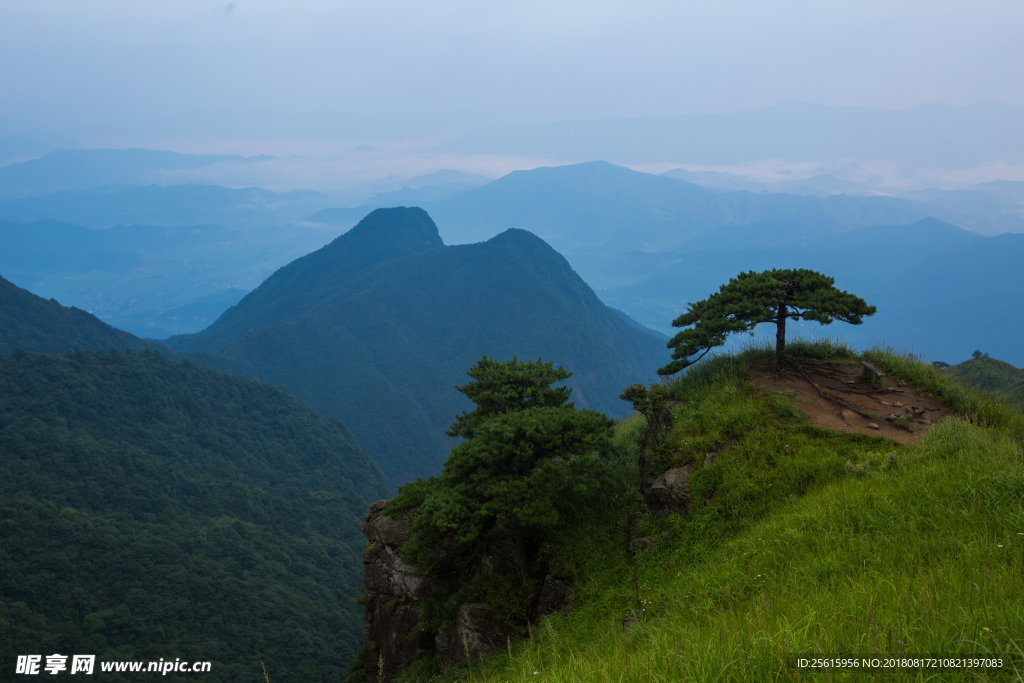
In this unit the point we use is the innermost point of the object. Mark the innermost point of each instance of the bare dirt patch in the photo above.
(840, 395)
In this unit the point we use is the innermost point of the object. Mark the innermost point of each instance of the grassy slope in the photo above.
(1002, 379)
(815, 542)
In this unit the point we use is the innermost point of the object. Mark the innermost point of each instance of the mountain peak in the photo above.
(304, 283)
(400, 225)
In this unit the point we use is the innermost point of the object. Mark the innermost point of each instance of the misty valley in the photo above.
(586, 421)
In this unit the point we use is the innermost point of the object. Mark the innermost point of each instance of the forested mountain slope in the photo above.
(378, 327)
(154, 509)
(992, 375)
(31, 323)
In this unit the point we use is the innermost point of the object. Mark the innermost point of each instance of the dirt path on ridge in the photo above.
(856, 406)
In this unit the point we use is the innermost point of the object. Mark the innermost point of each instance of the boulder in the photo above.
(396, 635)
(670, 492)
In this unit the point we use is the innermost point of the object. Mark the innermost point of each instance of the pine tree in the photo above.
(525, 448)
(749, 299)
(508, 386)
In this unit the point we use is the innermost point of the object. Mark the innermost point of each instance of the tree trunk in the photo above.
(521, 549)
(780, 335)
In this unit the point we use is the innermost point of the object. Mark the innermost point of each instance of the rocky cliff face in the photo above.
(397, 633)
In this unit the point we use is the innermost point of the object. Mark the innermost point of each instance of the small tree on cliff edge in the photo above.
(526, 448)
(749, 299)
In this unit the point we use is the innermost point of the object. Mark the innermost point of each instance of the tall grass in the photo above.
(814, 543)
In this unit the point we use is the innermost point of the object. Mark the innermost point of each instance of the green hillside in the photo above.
(802, 541)
(378, 327)
(1002, 379)
(31, 323)
(154, 509)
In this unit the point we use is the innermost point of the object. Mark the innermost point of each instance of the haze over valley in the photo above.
(391, 341)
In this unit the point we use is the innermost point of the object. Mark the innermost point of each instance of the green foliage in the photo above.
(513, 469)
(812, 541)
(749, 299)
(526, 448)
(156, 509)
(511, 595)
(652, 403)
(503, 387)
(357, 668)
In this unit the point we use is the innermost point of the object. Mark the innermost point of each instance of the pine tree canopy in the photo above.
(749, 299)
(514, 468)
(526, 447)
(507, 386)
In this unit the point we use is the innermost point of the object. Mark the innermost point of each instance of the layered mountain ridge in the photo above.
(379, 326)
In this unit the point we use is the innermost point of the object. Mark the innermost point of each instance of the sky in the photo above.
(397, 69)
(308, 81)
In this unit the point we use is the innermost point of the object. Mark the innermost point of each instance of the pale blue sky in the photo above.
(386, 68)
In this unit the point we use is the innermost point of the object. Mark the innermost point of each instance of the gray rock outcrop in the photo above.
(670, 492)
(395, 634)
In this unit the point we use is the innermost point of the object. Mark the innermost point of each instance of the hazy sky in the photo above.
(152, 69)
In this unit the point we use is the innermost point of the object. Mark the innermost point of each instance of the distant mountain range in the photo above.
(646, 243)
(600, 209)
(923, 136)
(379, 326)
(988, 208)
(151, 281)
(80, 169)
(166, 206)
(649, 244)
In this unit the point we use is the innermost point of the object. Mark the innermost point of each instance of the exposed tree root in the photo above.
(829, 396)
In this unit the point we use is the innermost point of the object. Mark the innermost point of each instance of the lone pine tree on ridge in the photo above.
(749, 299)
